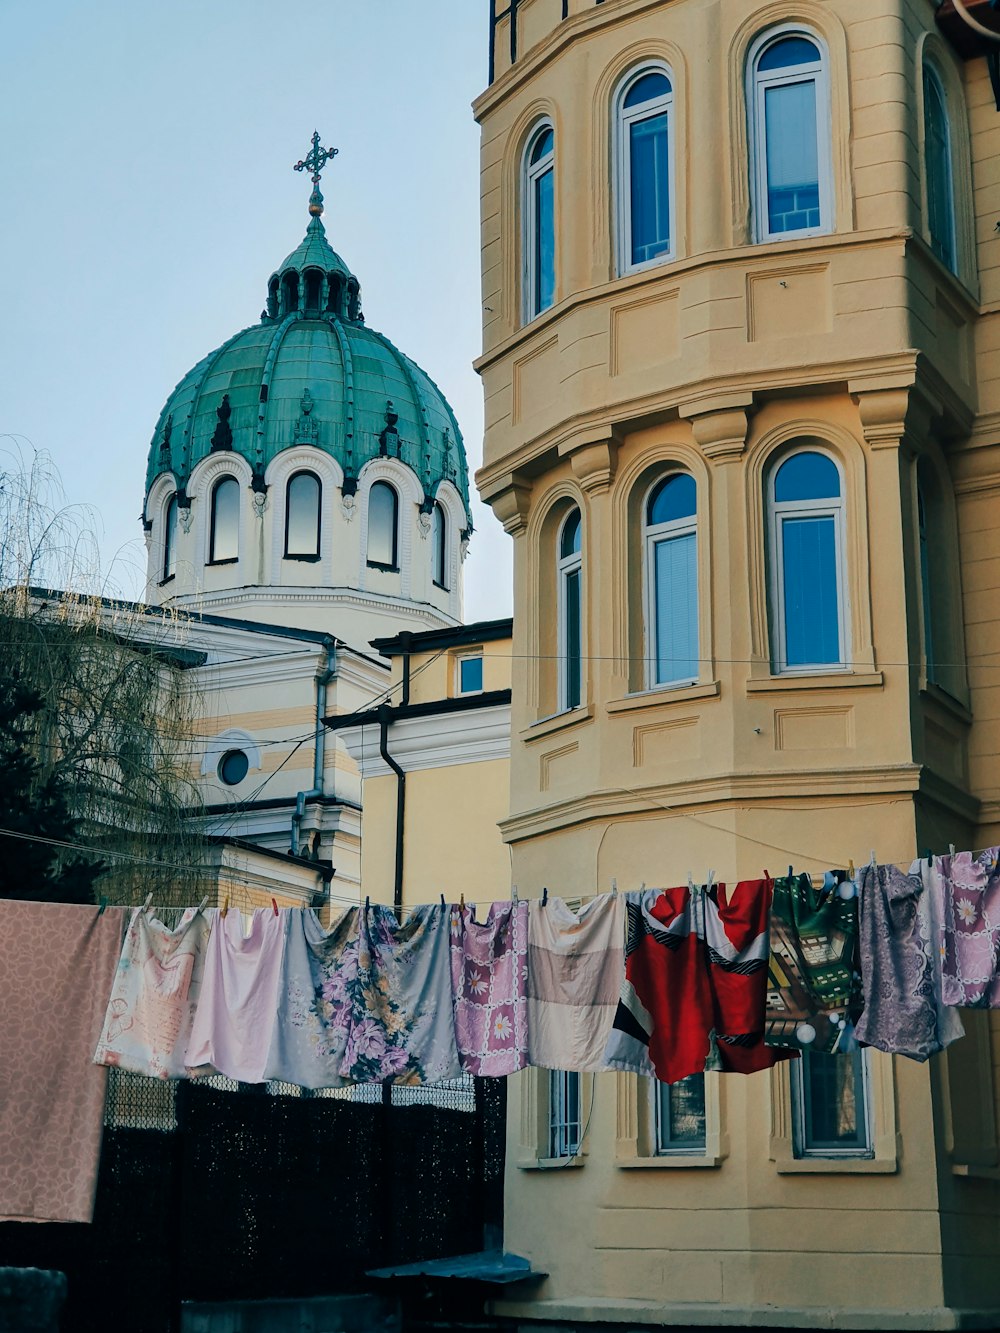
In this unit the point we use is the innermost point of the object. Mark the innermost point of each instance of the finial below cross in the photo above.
(314, 162)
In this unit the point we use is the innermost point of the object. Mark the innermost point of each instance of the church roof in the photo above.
(311, 372)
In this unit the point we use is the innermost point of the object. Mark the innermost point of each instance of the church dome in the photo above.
(311, 373)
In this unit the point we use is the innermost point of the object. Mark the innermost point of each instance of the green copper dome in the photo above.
(311, 373)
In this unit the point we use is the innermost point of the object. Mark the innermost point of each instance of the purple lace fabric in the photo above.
(970, 889)
(489, 976)
(904, 1012)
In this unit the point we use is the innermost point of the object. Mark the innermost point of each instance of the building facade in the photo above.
(741, 290)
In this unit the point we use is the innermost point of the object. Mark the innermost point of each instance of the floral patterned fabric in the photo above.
(901, 971)
(397, 1004)
(970, 948)
(152, 1005)
(314, 1009)
(489, 975)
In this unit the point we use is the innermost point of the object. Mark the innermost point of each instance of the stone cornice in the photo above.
(438, 741)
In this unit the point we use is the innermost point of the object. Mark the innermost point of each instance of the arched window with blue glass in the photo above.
(939, 172)
(788, 105)
(644, 176)
(539, 222)
(671, 558)
(570, 597)
(809, 605)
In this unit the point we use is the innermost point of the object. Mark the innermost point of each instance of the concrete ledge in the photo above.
(608, 1316)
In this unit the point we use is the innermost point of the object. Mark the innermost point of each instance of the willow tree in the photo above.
(98, 796)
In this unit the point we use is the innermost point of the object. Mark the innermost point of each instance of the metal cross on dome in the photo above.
(316, 159)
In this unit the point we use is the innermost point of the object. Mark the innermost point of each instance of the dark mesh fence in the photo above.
(210, 1191)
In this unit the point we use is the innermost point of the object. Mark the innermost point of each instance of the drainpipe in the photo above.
(323, 679)
(384, 714)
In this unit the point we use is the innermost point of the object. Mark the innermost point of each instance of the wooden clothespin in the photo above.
(274, 904)
(225, 906)
(851, 872)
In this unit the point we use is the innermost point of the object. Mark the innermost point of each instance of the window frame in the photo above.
(931, 75)
(212, 521)
(561, 1146)
(378, 564)
(799, 1118)
(623, 120)
(288, 555)
(566, 567)
(468, 657)
(168, 566)
(835, 508)
(653, 534)
(531, 174)
(756, 86)
(439, 546)
(661, 1145)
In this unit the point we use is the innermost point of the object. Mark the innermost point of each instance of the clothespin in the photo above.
(461, 903)
(928, 856)
(872, 861)
(614, 888)
(851, 872)
(367, 905)
(791, 872)
(951, 849)
(149, 899)
(711, 879)
(545, 896)
(642, 887)
(225, 906)
(104, 903)
(513, 895)
(202, 905)
(274, 904)
(443, 903)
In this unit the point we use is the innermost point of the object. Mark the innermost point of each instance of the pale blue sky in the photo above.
(146, 155)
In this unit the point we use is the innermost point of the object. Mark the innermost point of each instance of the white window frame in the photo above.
(624, 119)
(168, 563)
(929, 74)
(776, 513)
(657, 1092)
(653, 535)
(468, 657)
(216, 485)
(563, 1143)
(567, 565)
(801, 1150)
(757, 84)
(531, 172)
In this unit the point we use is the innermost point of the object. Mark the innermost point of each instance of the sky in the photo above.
(148, 193)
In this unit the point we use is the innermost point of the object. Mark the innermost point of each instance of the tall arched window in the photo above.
(383, 526)
(570, 576)
(789, 124)
(170, 538)
(224, 536)
(938, 171)
(439, 545)
(538, 212)
(671, 535)
(302, 516)
(644, 127)
(809, 611)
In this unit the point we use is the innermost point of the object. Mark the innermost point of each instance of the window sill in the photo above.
(837, 1166)
(442, 586)
(213, 564)
(303, 559)
(552, 1164)
(558, 722)
(827, 680)
(386, 569)
(169, 579)
(663, 695)
(676, 1162)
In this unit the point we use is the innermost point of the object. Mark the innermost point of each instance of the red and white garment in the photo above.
(695, 986)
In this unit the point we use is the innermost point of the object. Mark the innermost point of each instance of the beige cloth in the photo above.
(576, 965)
(57, 966)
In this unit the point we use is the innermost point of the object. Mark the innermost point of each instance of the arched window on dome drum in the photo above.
(290, 293)
(569, 571)
(788, 106)
(273, 296)
(383, 526)
(806, 555)
(938, 171)
(538, 217)
(335, 296)
(671, 538)
(303, 508)
(170, 539)
(644, 129)
(439, 545)
(314, 289)
(224, 535)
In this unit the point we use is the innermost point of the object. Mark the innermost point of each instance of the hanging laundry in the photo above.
(575, 968)
(814, 986)
(695, 983)
(312, 1027)
(234, 1022)
(148, 1022)
(398, 1003)
(57, 966)
(970, 893)
(901, 964)
(489, 974)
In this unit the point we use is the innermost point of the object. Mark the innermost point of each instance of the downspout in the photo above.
(384, 714)
(323, 679)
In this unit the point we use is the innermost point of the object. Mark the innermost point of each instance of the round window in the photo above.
(233, 767)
